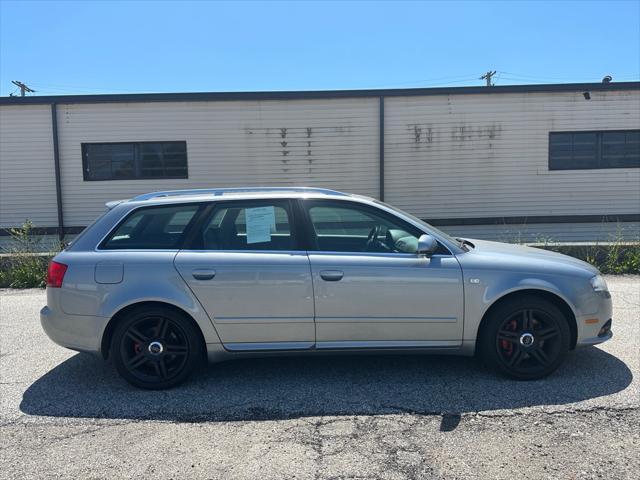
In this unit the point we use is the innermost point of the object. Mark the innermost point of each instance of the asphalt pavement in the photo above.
(68, 415)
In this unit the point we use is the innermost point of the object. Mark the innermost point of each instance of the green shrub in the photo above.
(614, 257)
(23, 265)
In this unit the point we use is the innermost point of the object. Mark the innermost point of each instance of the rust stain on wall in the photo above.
(421, 133)
(296, 144)
(462, 133)
(283, 134)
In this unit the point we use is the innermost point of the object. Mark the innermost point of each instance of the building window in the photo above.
(133, 161)
(589, 150)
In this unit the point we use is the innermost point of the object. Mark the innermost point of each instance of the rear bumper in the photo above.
(77, 332)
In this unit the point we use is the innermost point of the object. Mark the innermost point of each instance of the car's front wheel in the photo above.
(155, 348)
(525, 338)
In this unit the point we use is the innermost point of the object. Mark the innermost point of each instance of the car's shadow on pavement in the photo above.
(279, 388)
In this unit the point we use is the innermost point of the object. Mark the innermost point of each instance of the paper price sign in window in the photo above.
(261, 221)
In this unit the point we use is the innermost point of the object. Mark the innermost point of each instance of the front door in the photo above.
(246, 269)
(372, 289)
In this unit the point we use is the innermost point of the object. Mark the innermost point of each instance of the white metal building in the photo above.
(527, 162)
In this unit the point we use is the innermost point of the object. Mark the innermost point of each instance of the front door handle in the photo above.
(203, 274)
(331, 275)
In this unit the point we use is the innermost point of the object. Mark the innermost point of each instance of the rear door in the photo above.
(245, 266)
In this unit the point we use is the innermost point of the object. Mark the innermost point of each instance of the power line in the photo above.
(71, 88)
(431, 82)
(550, 78)
(423, 82)
(437, 80)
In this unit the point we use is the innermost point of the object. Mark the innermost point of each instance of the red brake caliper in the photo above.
(508, 346)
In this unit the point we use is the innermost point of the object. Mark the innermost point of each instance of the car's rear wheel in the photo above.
(525, 338)
(155, 348)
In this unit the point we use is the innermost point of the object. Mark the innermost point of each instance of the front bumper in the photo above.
(596, 328)
(585, 342)
(77, 332)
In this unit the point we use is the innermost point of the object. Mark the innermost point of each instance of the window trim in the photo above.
(310, 233)
(286, 203)
(202, 207)
(599, 134)
(85, 161)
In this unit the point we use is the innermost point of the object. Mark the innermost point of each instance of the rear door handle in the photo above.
(331, 275)
(203, 274)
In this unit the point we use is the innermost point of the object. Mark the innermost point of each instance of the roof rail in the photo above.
(222, 191)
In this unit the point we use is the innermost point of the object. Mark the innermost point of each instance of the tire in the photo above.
(156, 348)
(525, 338)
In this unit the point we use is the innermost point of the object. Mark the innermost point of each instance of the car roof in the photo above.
(218, 194)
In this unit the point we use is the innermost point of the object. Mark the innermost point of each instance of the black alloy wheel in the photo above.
(526, 338)
(155, 348)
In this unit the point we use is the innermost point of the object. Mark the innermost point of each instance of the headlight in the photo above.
(599, 284)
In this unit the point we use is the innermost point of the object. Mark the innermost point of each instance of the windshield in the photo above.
(421, 222)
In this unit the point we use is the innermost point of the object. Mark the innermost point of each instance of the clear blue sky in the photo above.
(114, 47)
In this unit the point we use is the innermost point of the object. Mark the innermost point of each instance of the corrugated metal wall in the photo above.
(27, 181)
(330, 143)
(446, 156)
(487, 155)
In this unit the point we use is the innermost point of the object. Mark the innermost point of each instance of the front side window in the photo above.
(255, 225)
(152, 228)
(593, 150)
(134, 161)
(340, 227)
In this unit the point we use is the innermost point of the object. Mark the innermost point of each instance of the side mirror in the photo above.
(427, 245)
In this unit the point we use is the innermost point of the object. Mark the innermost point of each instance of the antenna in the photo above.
(23, 88)
(487, 76)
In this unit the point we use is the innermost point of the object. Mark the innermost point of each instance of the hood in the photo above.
(522, 257)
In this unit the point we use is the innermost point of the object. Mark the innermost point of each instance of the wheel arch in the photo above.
(107, 335)
(552, 297)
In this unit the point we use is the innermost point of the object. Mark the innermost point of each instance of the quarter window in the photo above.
(152, 228)
(593, 150)
(132, 161)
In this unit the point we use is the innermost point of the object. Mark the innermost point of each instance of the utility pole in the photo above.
(487, 76)
(23, 88)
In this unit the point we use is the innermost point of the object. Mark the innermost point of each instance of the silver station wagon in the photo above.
(165, 280)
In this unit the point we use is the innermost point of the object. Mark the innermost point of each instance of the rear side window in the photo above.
(251, 225)
(152, 228)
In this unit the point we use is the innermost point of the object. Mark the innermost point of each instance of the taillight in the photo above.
(55, 274)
